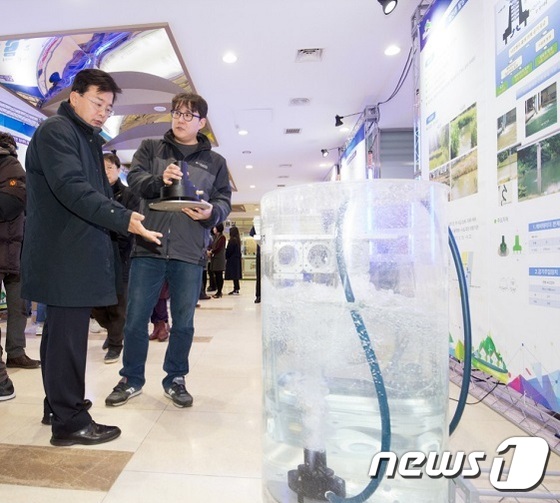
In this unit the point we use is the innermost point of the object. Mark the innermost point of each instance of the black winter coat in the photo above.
(68, 258)
(12, 205)
(233, 260)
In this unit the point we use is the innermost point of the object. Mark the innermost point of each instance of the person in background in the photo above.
(257, 238)
(112, 317)
(68, 259)
(210, 275)
(12, 205)
(233, 259)
(180, 258)
(217, 254)
(40, 318)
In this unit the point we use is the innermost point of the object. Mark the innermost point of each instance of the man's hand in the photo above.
(199, 213)
(172, 172)
(135, 226)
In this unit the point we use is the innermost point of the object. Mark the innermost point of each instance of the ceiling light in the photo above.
(388, 5)
(242, 132)
(229, 57)
(252, 186)
(160, 108)
(392, 50)
(248, 166)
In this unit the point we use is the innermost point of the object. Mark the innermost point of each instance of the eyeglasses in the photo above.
(108, 111)
(188, 116)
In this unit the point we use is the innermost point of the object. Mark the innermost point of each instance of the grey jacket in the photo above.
(183, 238)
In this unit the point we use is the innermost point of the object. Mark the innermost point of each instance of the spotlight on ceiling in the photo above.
(388, 6)
(338, 119)
(324, 151)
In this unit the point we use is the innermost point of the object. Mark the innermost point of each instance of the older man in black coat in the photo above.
(68, 256)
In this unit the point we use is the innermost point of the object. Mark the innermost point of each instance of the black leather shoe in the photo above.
(22, 362)
(92, 434)
(47, 418)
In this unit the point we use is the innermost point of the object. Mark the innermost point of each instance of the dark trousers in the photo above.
(219, 280)
(112, 318)
(236, 285)
(160, 312)
(63, 366)
(258, 272)
(211, 278)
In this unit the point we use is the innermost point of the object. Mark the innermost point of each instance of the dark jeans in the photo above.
(112, 318)
(63, 366)
(146, 278)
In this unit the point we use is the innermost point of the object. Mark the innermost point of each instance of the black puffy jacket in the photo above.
(12, 205)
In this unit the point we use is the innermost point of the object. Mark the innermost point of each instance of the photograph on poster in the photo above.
(507, 165)
(463, 132)
(541, 110)
(538, 169)
(507, 129)
(439, 146)
(464, 175)
(440, 174)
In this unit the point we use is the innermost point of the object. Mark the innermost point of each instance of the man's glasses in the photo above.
(188, 116)
(107, 111)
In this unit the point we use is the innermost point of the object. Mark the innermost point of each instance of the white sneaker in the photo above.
(39, 329)
(95, 327)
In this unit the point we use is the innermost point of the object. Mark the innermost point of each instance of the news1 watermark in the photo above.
(525, 472)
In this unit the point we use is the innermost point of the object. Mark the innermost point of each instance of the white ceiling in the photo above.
(255, 92)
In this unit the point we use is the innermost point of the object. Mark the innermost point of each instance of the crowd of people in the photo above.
(93, 250)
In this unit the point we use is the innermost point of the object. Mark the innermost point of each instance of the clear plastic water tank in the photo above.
(354, 300)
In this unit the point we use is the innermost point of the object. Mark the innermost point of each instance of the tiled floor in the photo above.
(210, 453)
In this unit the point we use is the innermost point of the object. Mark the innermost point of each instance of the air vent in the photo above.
(284, 176)
(281, 185)
(309, 55)
(284, 165)
(293, 130)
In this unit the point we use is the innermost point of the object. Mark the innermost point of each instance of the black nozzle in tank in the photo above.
(313, 478)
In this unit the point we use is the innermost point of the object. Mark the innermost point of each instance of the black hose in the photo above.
(467, 333)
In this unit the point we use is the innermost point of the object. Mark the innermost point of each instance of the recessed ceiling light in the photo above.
(159, 108)
(229, 57)
(248, 166)
(252, 186)
(344, 129)
(242, 132)
(392, 50)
